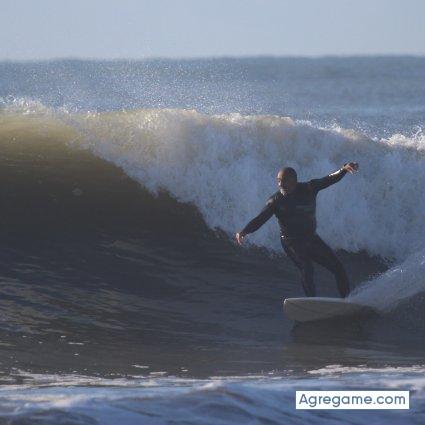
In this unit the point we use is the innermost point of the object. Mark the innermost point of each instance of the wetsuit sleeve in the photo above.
(265, 214)
(324, 182)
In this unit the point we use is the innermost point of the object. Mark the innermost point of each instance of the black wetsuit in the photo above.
(296, 213)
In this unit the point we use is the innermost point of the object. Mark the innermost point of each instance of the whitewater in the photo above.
(131, 187)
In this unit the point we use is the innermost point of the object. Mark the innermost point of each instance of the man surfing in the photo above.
(294, 205)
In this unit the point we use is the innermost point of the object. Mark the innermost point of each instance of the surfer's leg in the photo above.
(322, 254)
(297, 252)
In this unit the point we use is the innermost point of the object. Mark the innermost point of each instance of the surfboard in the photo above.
(311, 309)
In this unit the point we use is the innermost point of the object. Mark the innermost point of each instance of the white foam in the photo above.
(400, 282)
(222, 401)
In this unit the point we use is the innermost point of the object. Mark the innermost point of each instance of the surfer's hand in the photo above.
(240, 237)
(351, 167)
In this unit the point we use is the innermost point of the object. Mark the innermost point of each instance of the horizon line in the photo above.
(213, 57)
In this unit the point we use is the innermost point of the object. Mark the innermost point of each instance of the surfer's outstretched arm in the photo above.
(265, 214)
(324, 182)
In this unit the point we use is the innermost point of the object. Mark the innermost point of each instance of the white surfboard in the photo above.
(310, 309)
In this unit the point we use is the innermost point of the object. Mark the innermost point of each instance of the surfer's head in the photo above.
(287, 179)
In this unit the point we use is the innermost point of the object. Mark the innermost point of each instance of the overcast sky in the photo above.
(41, 29)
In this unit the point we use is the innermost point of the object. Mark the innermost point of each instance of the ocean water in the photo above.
(123, 296)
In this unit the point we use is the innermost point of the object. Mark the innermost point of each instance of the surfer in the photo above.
(294, 205)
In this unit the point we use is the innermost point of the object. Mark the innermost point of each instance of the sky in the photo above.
(46, 29)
